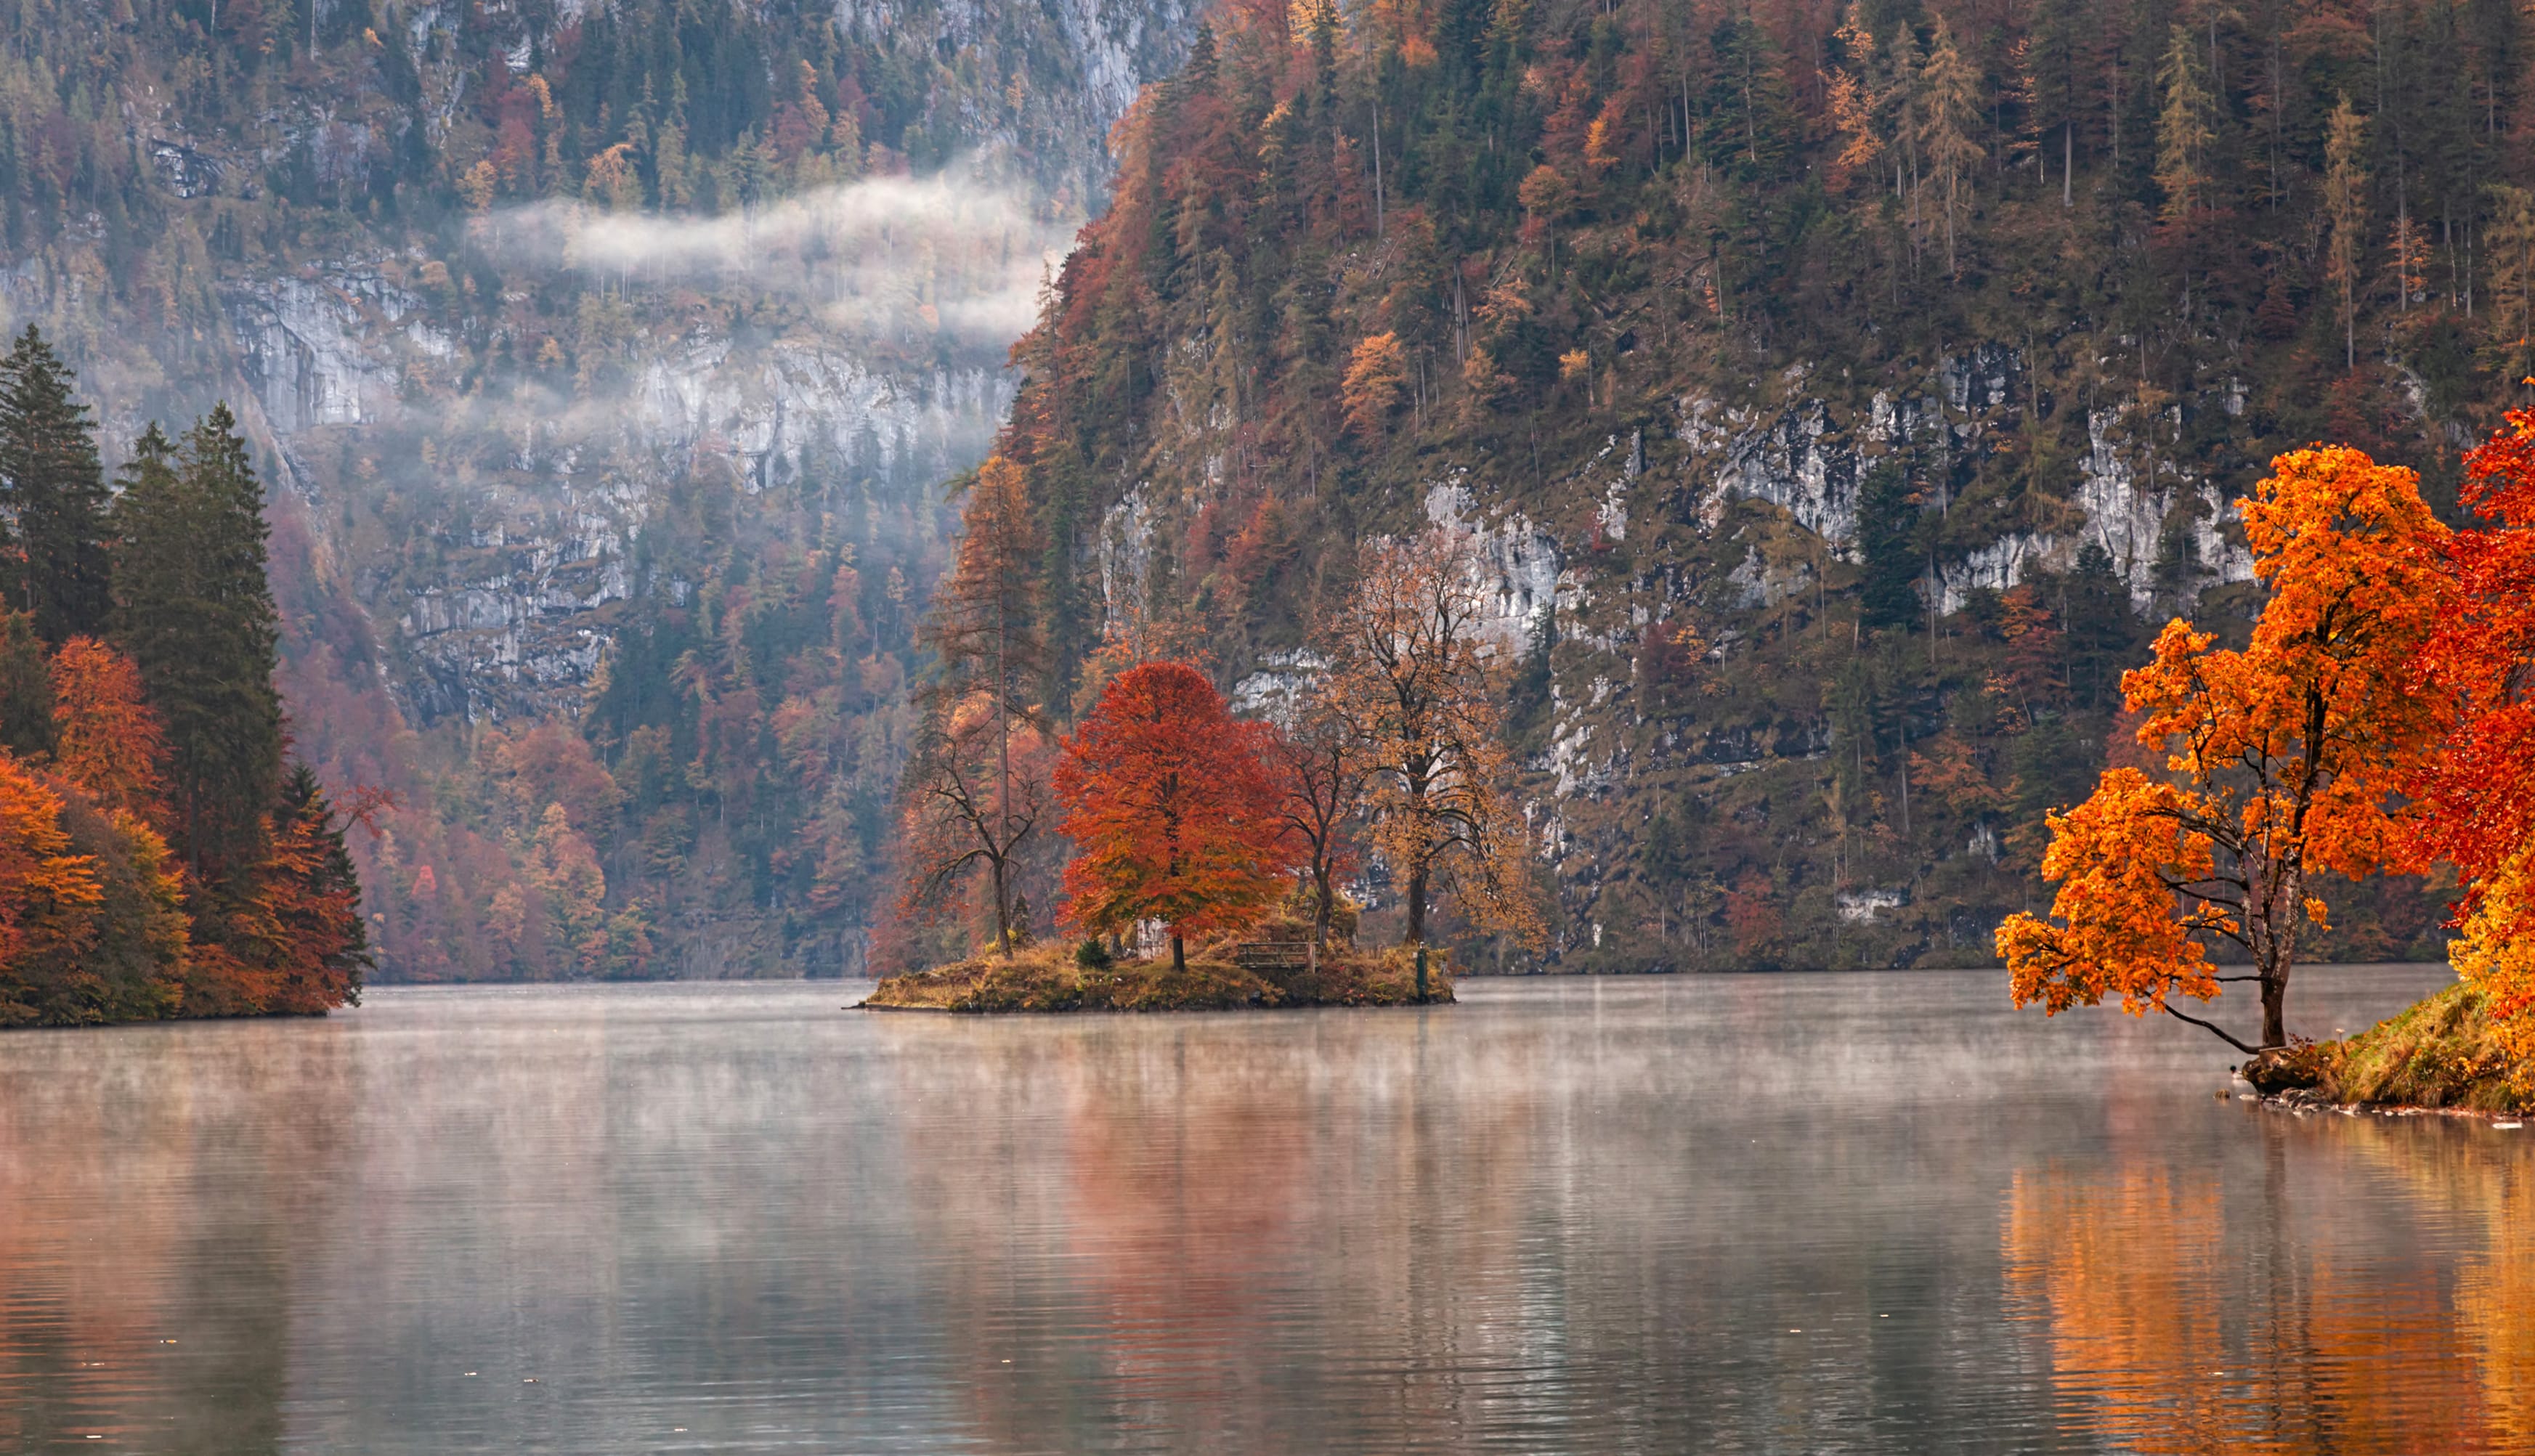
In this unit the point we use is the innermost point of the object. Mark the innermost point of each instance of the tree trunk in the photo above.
(1321, 907)
(1416, 935)
(2275, 993)
(1003, 916)
(1179, 952)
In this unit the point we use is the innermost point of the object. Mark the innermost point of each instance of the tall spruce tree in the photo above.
(53, 487)
(1888, 519)
(193, 611)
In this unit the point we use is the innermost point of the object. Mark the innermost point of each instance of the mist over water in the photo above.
(1879, 1212)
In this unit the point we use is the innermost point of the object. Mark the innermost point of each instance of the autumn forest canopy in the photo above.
(160, 852)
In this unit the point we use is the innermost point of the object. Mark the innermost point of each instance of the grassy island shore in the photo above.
(1053, 978)
(2442, 1054)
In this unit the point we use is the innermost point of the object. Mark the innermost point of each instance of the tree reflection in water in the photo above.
(2179, 1314)
(1748, 1214)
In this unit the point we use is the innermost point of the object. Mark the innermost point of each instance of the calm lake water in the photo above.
(1799, 1213)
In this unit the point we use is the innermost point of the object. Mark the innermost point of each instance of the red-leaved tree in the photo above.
(1170, 802)
(2476, 797)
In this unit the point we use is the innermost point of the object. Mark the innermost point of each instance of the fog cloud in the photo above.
(945, 255)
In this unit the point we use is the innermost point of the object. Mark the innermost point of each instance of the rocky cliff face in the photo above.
(560, 325)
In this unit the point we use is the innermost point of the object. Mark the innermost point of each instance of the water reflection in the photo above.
(1749, 1214)
(151, 1217)
(2338, 1283)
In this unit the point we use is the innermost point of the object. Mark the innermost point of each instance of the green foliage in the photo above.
(25, 689)
(194, 612)
(1888, 519)
(53, 488)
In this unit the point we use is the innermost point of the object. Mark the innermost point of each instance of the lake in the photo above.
(1750, 1213)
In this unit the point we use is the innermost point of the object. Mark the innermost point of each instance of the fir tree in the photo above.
(194, 612)
(1953, 115)
(2345, 205)
(53, 487)
(25, 689)
(1886, 518)
(2185, 127)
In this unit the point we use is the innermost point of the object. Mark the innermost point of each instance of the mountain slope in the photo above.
(565, 326)
(1842, 398)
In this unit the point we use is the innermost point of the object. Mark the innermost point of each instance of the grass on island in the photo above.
(2440, 1052)
(1056, 978)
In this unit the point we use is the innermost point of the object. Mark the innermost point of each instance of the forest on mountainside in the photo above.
(638, 332)
(1873, 382)
(1846, 393)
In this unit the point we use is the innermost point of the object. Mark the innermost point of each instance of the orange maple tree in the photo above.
(1169, 799)
(2284, 759)
(2477, 796)
(48, 893)
(106, 740)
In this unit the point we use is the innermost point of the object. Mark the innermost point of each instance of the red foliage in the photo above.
(1171, 804)
(2478, 795)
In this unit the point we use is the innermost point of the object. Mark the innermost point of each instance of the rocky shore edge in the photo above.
(2442, 1056)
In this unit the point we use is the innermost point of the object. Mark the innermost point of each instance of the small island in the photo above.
(1276, 969)
(1178, 823)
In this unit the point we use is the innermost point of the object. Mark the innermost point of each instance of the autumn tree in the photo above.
(2285, 759)
(48, 892)
(2477, 794)
(2186, 125)
(309, 900)
(2345, 207)
(106, 742)
(975, 795)
(1416, 679)
(1954, 117)
(1376, 378)
(1171, 809)
(993, 650)
(1319, 768)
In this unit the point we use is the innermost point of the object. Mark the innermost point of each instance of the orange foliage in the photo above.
(105, 740)
(1377, 376)
(1417, 680)
(1170, 801)
(48, 895)
(2283, 760)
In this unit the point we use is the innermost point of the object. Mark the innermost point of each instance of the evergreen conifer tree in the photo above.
(195, 614)
(1886, 518)
(25, 689)
(54, 489)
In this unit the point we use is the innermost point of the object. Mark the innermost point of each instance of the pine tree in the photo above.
(25, 689)
(1953, 112)
(2185, 127)
(2345, 204)
(53, 486)
(2056, 79)
(194, 612)
(1886, 522)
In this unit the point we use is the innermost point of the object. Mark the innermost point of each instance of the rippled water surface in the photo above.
(1801, 1213)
